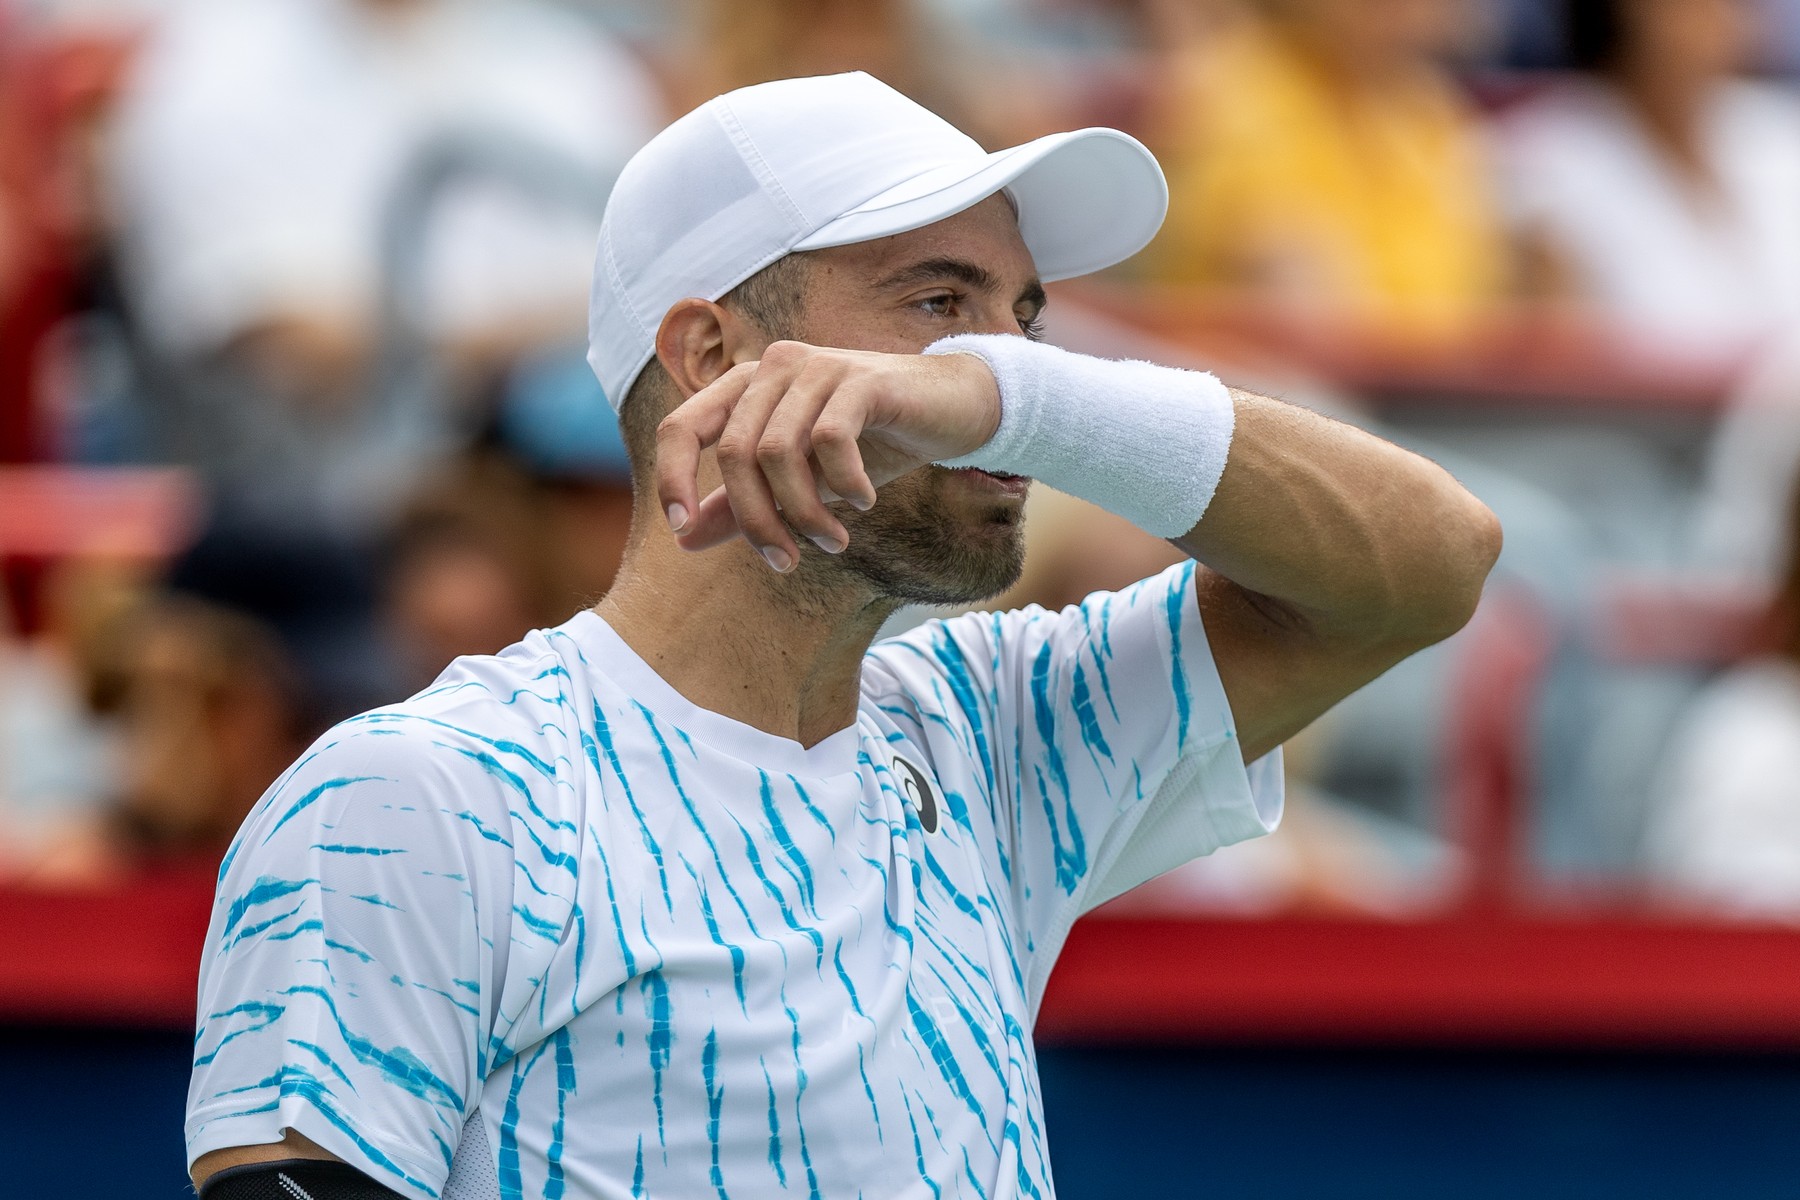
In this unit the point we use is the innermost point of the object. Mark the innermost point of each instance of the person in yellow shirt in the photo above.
(1320, 158)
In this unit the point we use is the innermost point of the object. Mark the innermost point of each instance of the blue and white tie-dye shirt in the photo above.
(549, 929)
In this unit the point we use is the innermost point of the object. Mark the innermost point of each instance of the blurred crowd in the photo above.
(329, 259)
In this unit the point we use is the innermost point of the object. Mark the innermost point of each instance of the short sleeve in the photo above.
(1106, 745)
(353, 971)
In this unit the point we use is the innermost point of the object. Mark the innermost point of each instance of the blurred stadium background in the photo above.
(293, 410)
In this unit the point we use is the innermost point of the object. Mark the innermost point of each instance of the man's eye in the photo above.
(940, 306)
(1032, 328)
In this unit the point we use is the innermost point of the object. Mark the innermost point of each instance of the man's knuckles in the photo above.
(777, 449)
(833, 431)
(787, 354)
(736, 447)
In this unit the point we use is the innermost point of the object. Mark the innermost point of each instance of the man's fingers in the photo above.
(686, 432)
(786, 433)
(712, 524)
(834, 433)
(746, 487)
(784, 454)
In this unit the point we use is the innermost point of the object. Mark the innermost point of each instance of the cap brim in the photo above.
(1087, 199)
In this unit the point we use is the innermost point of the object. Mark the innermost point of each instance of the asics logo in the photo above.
(916, 786)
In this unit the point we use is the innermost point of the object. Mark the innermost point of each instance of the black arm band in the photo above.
(294, 1179)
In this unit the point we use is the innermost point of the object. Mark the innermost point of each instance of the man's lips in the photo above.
(996, 481)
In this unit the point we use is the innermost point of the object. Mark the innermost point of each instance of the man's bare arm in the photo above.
(1333, 555)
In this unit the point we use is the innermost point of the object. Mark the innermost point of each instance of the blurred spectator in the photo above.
(57, 758)
(263, 148)
(1320, 158)
(1752, 463)
(467, 569)
(902, 43)
(135, 728)
(208, 715)
(486, 551)
(1782, 51)
(1725, 830)
(341, 221)
(60, 751)
(750, 41)
(1661, 189)
(262, 140)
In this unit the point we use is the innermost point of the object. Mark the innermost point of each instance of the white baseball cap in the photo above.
(802, 164)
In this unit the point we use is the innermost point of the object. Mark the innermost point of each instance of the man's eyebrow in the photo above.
(960, 269)
(970, 274)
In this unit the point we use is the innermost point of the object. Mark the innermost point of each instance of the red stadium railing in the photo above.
(124, 955)
(52, 512)
(1469, 978)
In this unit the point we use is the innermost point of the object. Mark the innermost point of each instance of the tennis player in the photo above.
(702, 894)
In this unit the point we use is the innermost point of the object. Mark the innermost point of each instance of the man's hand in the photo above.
(807, 425)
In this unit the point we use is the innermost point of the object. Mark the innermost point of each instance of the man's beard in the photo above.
(914, 548)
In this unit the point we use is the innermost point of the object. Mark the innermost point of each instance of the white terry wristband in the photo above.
(1144, 441)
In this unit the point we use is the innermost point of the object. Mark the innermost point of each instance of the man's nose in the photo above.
(999, 322)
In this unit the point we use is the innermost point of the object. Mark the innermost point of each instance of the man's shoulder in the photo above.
(464, 762)
(507, 718)
(531, 691)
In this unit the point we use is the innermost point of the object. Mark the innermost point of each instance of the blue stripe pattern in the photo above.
(659, 956)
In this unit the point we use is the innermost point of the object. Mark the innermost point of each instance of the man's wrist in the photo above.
(974, 377)
(1144, 441)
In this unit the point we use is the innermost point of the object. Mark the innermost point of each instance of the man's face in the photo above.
(935, 536)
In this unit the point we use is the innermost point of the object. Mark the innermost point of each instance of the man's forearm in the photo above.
(1354, 538)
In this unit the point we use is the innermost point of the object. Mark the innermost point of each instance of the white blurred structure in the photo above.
(260, 141)
(1753, 470)
(1726, 830)
(1684, 266)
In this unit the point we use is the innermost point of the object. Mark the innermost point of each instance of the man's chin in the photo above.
(937, 538)
(974, 578)
(984, 566)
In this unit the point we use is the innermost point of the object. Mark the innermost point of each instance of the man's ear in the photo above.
(698, 341)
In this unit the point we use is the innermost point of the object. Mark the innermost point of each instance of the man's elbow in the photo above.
(1444, 595)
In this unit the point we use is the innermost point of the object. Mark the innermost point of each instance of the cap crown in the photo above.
(738, 183)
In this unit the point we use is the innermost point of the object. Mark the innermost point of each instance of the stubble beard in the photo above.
(914, 548)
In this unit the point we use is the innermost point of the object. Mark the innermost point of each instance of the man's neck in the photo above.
(741, 641)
